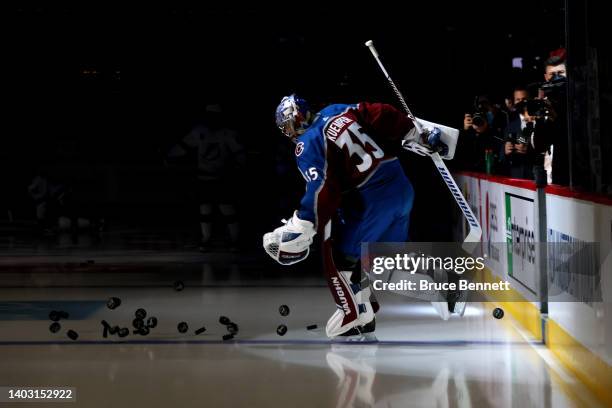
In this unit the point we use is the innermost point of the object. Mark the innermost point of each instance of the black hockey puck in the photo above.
(113, 303)
(182, 327)
(124, 331)
(224, 320)
(140, 314)
(283, 310)
(113, 330)
(152, 322)
(311, 327)
(143, 331)
(57, 315)
(498, 313)
(232, 328)
(55, 327)
(228, 337)
(281, 330)
(138, 323)
(72, 335)
(106, 327)
(200, 330)
(178, 286)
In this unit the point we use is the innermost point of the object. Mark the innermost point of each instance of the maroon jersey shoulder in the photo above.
(355, 153)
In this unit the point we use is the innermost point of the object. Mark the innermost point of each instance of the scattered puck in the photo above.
(283, 310)
(498, 313)
(55, 327)
(106, 328)
(228, 337)
(72, 335)
(138, 323)
(152, 322)
(182, 327)
(311, 327)
(140, 314)
(113, 330)
(54, 316)
(200, 330)
(281, 330)
(113, 303)
(143, 331)
(179, 285)
(232, 328)
(123, 332)
(224, 320)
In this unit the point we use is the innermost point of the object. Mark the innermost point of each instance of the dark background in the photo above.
(100, 92)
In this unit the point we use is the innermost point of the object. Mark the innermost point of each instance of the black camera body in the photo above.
(555, 89)
(479, 111)
(520, 138)
(556, 84)
(537, 108)
(479, 118)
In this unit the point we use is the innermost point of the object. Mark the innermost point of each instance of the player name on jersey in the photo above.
(337, 126)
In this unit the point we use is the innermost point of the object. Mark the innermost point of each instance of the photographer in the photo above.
(519, 94)
(517, 153)
(550, 110)
(478, 139)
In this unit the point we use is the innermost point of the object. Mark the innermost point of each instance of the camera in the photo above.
(521, 138)
(480, 109)
(555, 88)
(479, 118)
(537, 108)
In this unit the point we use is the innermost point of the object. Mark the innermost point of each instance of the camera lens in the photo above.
(478, 120)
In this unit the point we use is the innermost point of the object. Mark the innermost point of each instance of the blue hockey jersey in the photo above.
(345, 149)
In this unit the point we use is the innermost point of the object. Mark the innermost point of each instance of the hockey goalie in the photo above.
(356, 191)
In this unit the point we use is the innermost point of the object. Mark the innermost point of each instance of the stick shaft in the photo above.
(397, 92)
(475, 231)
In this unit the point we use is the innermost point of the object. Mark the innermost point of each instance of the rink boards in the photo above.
(578, 331)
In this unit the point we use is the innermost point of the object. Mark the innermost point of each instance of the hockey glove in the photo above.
(426, 143)
(290, 243)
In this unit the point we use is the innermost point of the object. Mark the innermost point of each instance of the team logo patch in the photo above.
(299, 148)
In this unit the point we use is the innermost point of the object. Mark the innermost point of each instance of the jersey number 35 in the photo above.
(358, 147)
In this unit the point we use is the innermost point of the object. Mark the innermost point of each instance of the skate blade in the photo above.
(358, 338)
(460, 308)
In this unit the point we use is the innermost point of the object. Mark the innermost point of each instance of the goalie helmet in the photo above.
(293, 116)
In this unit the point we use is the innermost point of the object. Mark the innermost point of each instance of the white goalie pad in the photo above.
(449, 136)
(290, 243)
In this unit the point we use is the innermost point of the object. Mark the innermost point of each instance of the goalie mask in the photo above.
(290, 243)
(293, 116)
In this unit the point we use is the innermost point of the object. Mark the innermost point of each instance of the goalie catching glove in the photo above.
(290, 243)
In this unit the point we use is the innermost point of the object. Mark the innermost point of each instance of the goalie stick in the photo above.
(475, 231)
